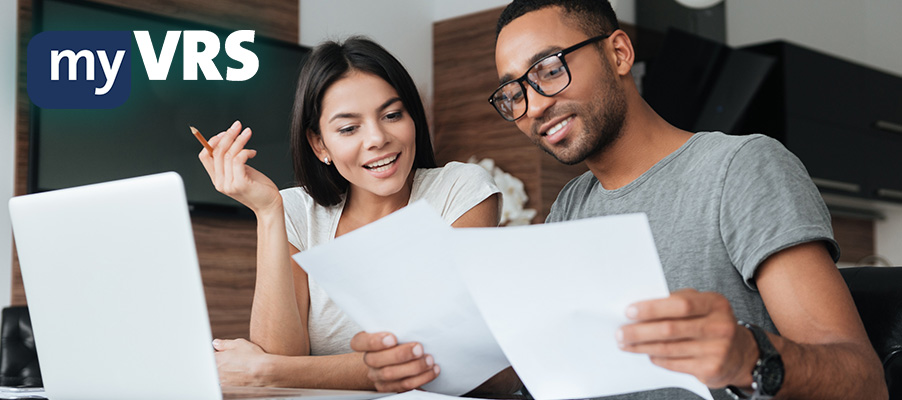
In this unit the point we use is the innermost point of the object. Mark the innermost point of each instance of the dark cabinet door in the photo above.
(884, 117)
(836, 157)
(843, 120)
(823, 88)
(885, 175)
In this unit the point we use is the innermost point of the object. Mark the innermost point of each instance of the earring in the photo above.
(326, 161)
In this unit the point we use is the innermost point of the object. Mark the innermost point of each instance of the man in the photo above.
(742, 232)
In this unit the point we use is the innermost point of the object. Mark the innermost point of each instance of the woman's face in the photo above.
(366, 133)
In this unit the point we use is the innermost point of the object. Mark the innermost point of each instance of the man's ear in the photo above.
(624, 54)
(316, 143)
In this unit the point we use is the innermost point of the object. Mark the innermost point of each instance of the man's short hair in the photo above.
(594, 17)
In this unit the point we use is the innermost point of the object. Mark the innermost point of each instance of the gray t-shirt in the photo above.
(718, 207)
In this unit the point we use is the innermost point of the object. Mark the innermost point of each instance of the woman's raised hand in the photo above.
(231, 175)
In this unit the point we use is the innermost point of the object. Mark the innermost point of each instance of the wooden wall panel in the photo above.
(23, 110)
(277, 19)
(23, 115)
(855, 237)
(226, 247)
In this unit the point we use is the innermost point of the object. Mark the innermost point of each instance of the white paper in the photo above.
(554, 295)
(397, 275)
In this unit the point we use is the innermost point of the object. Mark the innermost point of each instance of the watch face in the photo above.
(770, 375)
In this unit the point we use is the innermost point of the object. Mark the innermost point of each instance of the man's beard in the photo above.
(603, 118)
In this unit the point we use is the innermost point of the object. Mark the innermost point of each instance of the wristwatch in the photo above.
(767, 376)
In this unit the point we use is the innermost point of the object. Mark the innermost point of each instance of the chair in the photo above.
(18, 357)
(877, 292)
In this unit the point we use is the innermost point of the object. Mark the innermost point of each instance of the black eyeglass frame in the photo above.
(535, 85)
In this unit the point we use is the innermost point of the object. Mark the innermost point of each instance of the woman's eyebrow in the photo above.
(344, 115)
(381, 108)
(388, 103)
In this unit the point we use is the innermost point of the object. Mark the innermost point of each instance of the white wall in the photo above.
(8, 24)
(865, 31)
(403, 27)
(447, 9)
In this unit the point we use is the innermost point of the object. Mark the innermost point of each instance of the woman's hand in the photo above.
(231, 175)
(394, 367)
(241, 363)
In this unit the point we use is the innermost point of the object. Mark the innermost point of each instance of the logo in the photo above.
(79, 69)
(93, 69)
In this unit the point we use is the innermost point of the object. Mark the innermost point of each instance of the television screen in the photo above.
(149, 133)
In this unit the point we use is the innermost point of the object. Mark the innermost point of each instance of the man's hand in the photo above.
(695, 333)
(394, 367)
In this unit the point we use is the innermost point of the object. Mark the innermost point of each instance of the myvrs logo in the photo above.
(79, 69)
(92, 69)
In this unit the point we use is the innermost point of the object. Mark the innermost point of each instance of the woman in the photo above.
(361, 151)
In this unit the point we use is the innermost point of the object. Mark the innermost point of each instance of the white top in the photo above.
(451, 190)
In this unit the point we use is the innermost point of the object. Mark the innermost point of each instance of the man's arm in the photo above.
(821, 336)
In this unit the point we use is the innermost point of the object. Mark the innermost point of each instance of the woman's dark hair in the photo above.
(329, 62)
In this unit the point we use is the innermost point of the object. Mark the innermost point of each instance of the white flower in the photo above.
(513, 195)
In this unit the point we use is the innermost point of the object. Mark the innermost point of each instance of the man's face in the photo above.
(587, 116)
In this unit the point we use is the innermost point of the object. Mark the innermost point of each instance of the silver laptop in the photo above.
(115, 295)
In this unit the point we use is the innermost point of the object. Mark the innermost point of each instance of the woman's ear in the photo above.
(316, 143)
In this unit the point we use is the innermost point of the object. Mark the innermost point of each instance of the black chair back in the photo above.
(18, 356)
(878, 295)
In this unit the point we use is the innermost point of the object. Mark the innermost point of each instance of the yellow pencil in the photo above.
(200, 138)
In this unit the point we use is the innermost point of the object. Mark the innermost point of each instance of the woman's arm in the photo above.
(278, 353)
(242, 363)
(281, 299)
(482, 215)
(278, 316)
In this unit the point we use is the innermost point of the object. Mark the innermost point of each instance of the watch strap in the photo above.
(765, 350)
(737, 393)
(764, 345)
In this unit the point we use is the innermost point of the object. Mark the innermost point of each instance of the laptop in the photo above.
(115, 295)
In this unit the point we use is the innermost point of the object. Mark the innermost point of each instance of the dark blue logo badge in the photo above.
(79, 69)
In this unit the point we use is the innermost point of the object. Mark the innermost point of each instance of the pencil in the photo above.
(200, 138)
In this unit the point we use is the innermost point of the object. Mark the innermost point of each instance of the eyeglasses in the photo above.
(548, 76)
